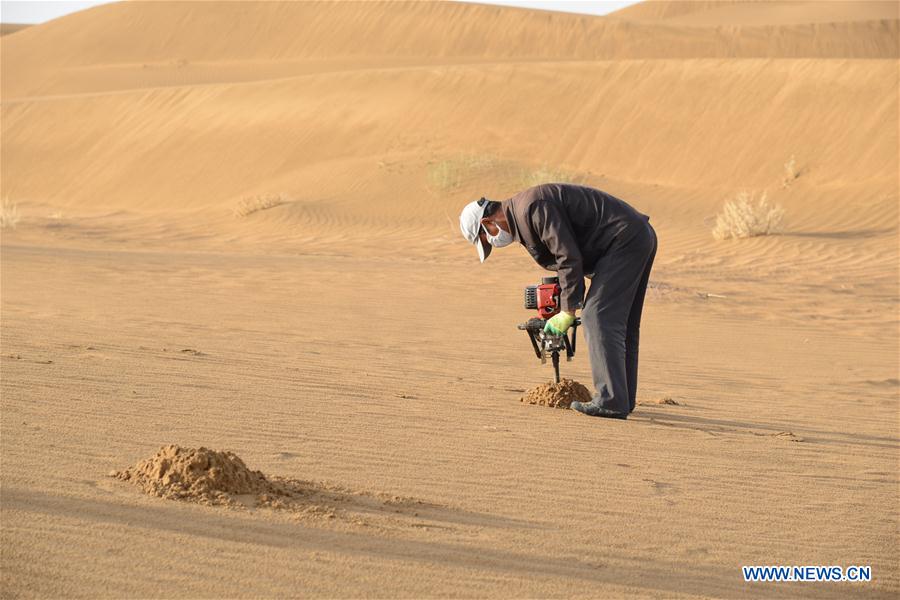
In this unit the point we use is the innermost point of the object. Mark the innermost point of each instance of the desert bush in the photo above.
(745, 217)
(9, 214)
(451, 174)
(443, 176)
(545, 174)
(791, 172)
(251, 204)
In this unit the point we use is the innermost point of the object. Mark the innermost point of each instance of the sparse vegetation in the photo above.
(451, 174)
(746, 217)
(791, 172)
(56, 220)
(9, 214)
(546, 174)
(252, 204)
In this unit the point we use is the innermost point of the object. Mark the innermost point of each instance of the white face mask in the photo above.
(503, 238)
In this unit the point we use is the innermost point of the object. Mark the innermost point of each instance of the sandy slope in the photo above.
(345, 334)
(757, 12)
(7, 28)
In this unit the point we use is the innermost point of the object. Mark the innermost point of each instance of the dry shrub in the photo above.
(252, 204)
(791, 172)
(745, 217)
(453, 174)
(449, 174)
(9, 214)
(546, 174)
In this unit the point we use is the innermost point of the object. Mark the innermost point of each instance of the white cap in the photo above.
(470, 225)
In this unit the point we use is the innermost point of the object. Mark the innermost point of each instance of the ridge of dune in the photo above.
(748, 13)
(791, 13)
(124, 33)
(8, 28)
(660, 10)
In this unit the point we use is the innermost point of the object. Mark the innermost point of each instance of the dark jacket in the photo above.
(566, 228)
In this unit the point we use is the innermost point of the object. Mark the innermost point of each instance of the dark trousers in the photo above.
(611, 318)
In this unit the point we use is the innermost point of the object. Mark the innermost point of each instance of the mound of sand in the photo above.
(199, 475)
(557, 395)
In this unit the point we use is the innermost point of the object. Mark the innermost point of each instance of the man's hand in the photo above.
(559, 323)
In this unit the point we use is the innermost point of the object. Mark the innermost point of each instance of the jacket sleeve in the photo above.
(552, 225)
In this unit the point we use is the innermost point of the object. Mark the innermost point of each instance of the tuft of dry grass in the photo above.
(251, 204)
(791, 172)
(450, 174)
(546, 174)
(9, 214)
(454, 173)
(746, 217)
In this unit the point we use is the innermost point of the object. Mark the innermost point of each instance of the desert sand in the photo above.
(6, 28)
(237, 229)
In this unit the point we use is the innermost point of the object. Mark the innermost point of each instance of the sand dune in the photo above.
(287, 124)
(327, 31)
(757, 12)
(238, 231)
(7, 28)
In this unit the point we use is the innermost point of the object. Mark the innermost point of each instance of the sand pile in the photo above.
(200, 475)
(557, 395)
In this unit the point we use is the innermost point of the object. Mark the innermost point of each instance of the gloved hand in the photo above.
(559, 323)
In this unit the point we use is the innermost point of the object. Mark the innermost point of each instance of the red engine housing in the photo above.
(548, 299)
(544, 297)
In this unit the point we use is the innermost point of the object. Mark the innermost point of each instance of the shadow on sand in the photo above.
(718, 426)
(841, 235)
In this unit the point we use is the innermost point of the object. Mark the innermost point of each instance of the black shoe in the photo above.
(595, 410)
